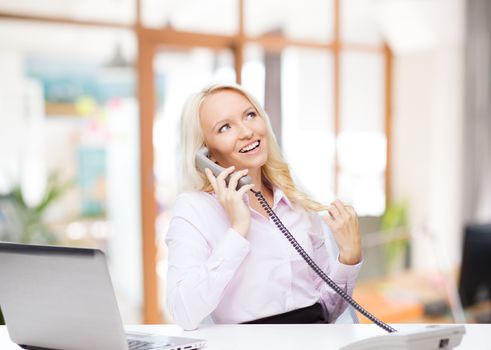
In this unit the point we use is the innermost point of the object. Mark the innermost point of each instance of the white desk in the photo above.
(238, 337)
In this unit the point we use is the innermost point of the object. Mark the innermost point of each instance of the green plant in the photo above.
(395, 221)
(22, 223)
(26, 223)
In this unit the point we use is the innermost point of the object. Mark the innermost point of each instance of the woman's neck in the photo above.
(256, 177)
(259, 184)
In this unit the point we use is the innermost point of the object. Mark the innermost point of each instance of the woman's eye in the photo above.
(222, 128)
(251, 114)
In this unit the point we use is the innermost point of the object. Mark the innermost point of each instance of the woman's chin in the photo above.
(255, 163)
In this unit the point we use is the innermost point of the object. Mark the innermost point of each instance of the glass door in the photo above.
(177, 74)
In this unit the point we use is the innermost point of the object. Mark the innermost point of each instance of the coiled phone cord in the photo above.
(315, 267)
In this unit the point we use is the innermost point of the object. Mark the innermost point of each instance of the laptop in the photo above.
(62, 298)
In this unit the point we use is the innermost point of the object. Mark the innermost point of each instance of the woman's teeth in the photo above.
(250, 147)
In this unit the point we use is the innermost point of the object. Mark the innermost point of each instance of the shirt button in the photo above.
(215, 264)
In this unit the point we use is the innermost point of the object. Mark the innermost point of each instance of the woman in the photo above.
(227, 259)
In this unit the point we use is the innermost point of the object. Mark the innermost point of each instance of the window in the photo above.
(319, 70)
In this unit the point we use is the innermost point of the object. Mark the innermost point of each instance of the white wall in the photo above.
(427, 134)
(12, 123)
(427, 122)
(22, 122)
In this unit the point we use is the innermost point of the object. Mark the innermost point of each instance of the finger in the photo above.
(329, 221)
(244, 189)
(353, 217)
(234, 179)
(221, 185)
(226, 172)
(341, 209)
(212, 179)
(351, 211)
(333, 210)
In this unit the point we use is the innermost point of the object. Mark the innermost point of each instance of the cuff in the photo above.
(342, 273)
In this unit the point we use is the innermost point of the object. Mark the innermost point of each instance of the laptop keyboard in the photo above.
(145, 345)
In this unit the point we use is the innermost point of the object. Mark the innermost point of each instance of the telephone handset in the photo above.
(203, 161)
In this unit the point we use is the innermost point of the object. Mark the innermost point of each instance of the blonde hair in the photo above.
(276, 171)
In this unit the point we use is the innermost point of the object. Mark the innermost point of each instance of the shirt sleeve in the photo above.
(197, 275)
(327, 257)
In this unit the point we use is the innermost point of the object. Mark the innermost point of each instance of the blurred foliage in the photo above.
(24, 224)
(395, 220)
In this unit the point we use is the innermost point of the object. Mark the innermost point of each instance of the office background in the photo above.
(381, 103)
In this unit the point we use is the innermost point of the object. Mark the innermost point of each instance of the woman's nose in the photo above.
(246, 132)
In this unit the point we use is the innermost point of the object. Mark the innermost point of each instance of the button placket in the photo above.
(216, 263)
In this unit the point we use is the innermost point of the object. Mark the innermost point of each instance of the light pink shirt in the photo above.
(215, 271)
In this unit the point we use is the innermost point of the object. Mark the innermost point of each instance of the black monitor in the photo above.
(475, 273)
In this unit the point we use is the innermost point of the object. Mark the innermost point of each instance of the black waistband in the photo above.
(309, 314)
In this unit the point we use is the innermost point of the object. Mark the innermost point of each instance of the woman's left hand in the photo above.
(343, 223)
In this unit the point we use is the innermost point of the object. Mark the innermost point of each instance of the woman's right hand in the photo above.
(231, 199)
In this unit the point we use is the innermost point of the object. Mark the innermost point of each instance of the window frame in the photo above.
(151, 41)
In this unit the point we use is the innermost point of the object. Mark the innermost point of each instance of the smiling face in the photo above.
(234, 132)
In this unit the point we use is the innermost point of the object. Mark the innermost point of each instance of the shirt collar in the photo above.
(278, 195)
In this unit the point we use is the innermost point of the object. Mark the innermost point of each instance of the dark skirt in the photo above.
(309, 314)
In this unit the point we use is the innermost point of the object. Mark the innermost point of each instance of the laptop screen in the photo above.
(59, 297)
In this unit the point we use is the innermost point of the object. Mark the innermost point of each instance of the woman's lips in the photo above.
(255, 150)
